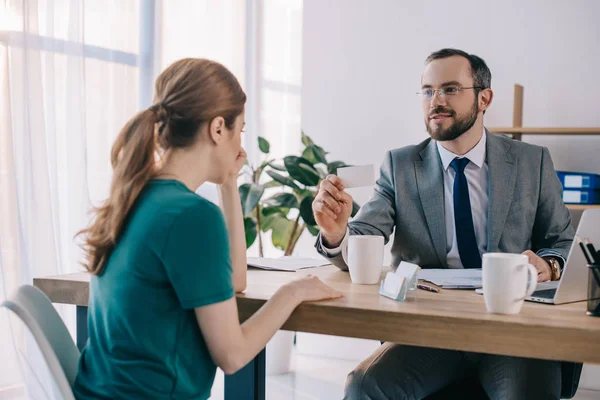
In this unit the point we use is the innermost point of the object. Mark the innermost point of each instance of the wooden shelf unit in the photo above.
(517, 131)
(581, 207)
(547, 131)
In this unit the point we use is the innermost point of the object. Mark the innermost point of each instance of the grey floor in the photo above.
(315, 378)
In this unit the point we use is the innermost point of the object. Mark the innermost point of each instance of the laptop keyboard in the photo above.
(545, 294)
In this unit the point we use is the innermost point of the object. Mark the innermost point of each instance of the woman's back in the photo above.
(162, 312)
(145, 342)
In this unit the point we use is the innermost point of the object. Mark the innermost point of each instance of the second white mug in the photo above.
(507, 280)
(364, 257)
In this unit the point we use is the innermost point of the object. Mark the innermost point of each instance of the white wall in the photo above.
(362, 61)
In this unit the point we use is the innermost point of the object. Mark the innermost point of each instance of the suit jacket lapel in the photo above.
(502, 177)
(430, 184)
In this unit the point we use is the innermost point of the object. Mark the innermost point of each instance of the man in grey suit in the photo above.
(451, 198)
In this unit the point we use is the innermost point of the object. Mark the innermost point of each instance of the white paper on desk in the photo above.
(450, 278)
(352, 177)
(285, 263)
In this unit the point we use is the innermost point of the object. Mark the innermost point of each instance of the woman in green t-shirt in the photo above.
(166, 263)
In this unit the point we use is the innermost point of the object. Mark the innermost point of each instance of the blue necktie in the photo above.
(463, 218)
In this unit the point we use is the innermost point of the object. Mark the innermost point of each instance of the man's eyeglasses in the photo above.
(427, 94)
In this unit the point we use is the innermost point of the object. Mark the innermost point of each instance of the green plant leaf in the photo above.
(267, 211)
(333, 166)
(355, 208)
(314, 230)
(302, 170)
(315, 154)
(307, 141)
(285, 180)
(272, 184)
(250, 194)
(250, 229)
(271, 214)
(302, 193)
(277, 167)
(306, 210)
(264, 145)
(281, 230)
(285, 200)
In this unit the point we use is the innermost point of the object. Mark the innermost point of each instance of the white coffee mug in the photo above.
(364, 257)
(507, 280)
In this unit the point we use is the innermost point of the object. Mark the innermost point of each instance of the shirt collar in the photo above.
(476, 155)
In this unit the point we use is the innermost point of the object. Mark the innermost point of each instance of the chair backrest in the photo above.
(62, 356)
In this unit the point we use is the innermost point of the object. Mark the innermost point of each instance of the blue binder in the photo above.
(581, 196)
(578, 180)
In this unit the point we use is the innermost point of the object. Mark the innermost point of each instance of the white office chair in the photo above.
(37, 313)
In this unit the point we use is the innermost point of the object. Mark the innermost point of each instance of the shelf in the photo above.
(517, 129)
(547, 131)
(581, 207)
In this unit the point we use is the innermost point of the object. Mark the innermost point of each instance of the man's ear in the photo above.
(216, 129)
(485, 99)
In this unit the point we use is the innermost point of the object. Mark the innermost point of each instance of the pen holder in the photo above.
(593, 295)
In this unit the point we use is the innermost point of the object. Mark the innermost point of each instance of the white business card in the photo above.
(359, 176)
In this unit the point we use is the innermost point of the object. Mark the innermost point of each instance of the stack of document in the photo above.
(449, 278)
(285, 263)
(579, 187)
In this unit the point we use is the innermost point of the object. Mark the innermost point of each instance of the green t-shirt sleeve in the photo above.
(196, 257)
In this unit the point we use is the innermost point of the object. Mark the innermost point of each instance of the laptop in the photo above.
(573, 283)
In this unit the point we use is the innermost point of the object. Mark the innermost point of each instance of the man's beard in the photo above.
(461, 125)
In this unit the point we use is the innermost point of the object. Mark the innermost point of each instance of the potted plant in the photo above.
(288, 212)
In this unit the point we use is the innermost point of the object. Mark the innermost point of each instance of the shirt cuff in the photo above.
(552, 253)
(336, 251)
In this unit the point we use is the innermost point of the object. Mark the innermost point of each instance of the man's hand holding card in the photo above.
(333, 205)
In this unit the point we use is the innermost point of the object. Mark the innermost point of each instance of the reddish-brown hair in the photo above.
(189, 93)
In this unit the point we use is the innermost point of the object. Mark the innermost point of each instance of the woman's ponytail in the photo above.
(133, 160)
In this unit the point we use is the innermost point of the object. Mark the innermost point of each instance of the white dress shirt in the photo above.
(477, 178)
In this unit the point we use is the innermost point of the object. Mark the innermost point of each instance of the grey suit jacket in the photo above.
(526, 211)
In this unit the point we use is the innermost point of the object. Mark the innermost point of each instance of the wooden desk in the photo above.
(451, 319)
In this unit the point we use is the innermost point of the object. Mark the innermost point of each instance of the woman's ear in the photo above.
(216, 130)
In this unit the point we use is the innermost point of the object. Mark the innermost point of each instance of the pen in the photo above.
(593, 252)
(428, 288)
(596, 274)
(585, 253)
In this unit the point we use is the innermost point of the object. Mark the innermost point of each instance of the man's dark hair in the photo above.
(482, 77)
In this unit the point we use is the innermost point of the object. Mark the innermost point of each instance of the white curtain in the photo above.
(260, 41)
(68, 82)
(72, 72)
(280, 75)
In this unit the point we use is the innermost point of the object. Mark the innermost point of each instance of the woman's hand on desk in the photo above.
(232, 346)
(312, 288)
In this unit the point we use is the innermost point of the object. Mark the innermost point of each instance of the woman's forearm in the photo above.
(231, 205)
(263, 324)
(232, 345)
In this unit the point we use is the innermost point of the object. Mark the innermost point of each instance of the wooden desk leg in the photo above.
(82, 328)
(249, 382)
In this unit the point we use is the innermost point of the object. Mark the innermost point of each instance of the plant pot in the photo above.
(279, 353)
